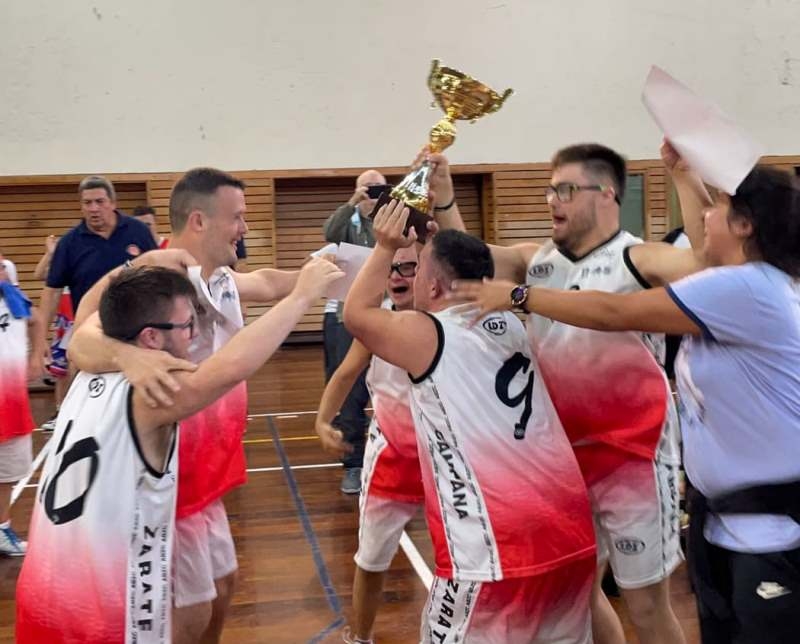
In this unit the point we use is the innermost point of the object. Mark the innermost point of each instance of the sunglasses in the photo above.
(404, 269)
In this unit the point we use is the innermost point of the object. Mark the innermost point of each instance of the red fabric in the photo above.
(211, 453)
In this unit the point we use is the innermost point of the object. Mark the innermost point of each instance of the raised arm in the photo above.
(510, 262)
(40, 272)
(340, 384)
(407, 339)
(244, 353)
(661, 263)
(170, 258)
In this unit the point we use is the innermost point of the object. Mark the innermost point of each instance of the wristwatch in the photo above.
(519, 294)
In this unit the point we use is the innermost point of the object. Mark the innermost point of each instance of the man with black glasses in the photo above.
(350, 223)
(609, 389)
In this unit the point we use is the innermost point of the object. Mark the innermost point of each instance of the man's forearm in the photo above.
(93, 351)
(449, 219)
(48, 303)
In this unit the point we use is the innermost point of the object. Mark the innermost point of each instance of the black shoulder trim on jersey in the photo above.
(574, 258)
(626, 257)
(672, 235)
(135, 437)
(439, 349)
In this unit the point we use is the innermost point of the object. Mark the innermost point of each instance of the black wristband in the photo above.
(448, 206)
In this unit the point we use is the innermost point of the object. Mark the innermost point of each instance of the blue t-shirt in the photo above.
(739, 386)
(83, 257)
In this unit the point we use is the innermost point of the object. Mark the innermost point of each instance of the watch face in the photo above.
(518, 295)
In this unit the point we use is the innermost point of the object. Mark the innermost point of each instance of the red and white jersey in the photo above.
(607, 387)
(503, 493)
(211, 451)
(100, 540)
(15, 410)
(398, 476)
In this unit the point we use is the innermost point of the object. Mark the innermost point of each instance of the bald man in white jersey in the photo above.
(505, 501)
(609, 389)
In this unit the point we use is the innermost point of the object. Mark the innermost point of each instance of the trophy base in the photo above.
(416, 218)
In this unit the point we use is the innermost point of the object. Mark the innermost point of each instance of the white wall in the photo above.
(122, 86)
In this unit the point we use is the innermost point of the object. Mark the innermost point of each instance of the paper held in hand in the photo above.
(350, 258)
(707, 138)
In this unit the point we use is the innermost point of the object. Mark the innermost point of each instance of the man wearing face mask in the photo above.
(350, 224)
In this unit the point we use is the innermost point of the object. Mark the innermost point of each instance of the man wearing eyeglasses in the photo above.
(350, 223)
(99, 558)
(391, 490)
(207, 216)
(609, 389)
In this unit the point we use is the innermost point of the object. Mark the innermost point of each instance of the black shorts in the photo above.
(762, 593)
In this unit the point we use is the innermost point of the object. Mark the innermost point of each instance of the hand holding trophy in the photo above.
(462, 98)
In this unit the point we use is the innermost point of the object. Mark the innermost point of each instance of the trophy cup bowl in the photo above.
(461, 98)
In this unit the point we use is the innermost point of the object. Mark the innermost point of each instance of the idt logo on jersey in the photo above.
(97, 386)
(540, 271)
(495, 325)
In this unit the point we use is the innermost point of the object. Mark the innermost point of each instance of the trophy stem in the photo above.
(443, 134)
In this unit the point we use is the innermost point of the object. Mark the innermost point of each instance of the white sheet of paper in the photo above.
(350, 258)
(707, 138)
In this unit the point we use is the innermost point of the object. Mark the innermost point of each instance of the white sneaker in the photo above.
(10, 543)
(348, 638)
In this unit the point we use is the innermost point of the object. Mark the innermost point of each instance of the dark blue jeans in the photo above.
(352, 419)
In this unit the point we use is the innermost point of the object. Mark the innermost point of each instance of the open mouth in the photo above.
(399, 290)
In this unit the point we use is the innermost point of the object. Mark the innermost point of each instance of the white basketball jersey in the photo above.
(607, 387)
(504, 496)
(98, 562)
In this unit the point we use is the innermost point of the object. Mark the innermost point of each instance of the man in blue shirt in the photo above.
(104, 239)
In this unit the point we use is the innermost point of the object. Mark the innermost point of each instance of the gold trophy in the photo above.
(462, 98)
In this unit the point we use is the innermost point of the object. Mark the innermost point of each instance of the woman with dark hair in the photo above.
(738, 377)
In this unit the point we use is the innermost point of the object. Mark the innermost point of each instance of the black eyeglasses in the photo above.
(404, 269)
(166, 326)
(566, 191)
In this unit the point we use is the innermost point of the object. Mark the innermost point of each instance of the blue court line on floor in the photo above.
(311, 537)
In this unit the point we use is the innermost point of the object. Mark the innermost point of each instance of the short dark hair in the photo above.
(140, 211)
(462, 256)
(769, 199)
(193, 187)
(96, 181)
(599, 161)
(140, 296)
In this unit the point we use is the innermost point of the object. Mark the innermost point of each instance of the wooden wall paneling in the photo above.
(29, 213)
(488, 208)
(521, 210)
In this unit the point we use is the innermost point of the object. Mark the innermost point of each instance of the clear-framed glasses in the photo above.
(566, 191)
(404, 269)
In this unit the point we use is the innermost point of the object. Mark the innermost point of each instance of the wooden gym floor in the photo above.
(295, 532)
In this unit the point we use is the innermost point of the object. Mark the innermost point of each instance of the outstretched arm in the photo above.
(652, 310)
(244, 353)
(265, 284)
